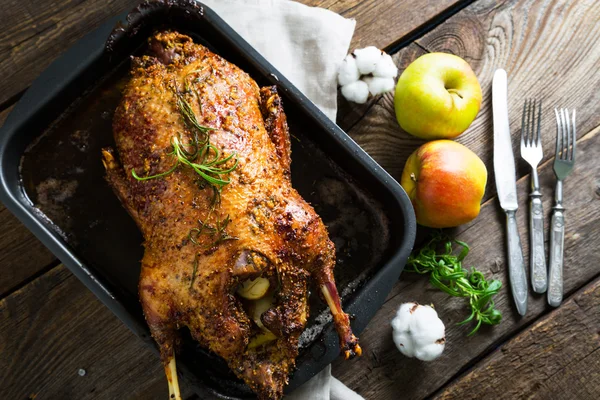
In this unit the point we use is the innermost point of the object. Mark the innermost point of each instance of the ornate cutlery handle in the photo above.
(539, 273)
(557, 241)
(516, 266)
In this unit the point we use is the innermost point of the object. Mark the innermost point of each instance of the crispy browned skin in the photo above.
(278, 235)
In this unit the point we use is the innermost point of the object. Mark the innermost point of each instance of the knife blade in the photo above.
(506, 186)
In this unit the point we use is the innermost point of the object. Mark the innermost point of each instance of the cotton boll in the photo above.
(418, 332)
(357, 92)
(367, 59)
(348, 71)
(385, 68)
(379, 85)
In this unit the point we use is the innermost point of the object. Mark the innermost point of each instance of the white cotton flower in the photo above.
(357, 92)
(418, 332)
(367, 59)
(386, 68)
(348, 71)
(379, 85)
(365, 71)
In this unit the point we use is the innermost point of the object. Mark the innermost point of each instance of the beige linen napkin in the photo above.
(307, 45)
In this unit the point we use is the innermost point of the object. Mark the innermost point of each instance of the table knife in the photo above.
(506, 186)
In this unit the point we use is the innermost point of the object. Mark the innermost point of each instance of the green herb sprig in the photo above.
(199, 154)
(216, 233)
(447, 274)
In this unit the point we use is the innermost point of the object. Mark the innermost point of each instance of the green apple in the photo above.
(437, 96)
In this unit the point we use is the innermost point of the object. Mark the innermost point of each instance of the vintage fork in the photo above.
(531, 151)
(566, 139)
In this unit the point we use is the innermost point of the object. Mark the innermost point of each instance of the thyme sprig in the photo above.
(447, 274)
(204, 158)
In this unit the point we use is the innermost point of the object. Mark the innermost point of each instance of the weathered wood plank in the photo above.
(551, 51)
(33, 35)
(382, 22)
(557, 358)
(21, 254)
(53, 327)
(382, 372)
(4, 113)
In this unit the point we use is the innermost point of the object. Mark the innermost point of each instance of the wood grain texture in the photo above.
(551, 51)
(4, 113)
(382, 372)
(53, 327)
(22, 255)
(34, 33)
(380, 23)
(557, 358)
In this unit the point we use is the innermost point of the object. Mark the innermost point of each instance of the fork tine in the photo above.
(574, 138)
(532, 122)
(533, 115)
(538, 139)
(567, 134)
(558, 135)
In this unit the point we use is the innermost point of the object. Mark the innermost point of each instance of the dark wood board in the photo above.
(33, 33)
(22, 255)
(550, 51)
(381, 23)
(53, 327)
(4, 113)
(557, 358)
(382, 372)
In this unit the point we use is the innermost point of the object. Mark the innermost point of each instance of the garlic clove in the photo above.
(253, 289)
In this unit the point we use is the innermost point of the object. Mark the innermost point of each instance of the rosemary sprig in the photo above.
(447, 274)
(216, 233)
(200, 155)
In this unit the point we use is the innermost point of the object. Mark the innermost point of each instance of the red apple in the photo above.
(445, 182)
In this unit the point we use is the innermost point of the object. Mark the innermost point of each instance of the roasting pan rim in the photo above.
(75, 61)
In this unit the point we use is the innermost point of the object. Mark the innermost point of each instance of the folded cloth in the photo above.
(307, 45)
(323, 386)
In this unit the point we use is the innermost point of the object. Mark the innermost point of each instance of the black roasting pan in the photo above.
(52, 179)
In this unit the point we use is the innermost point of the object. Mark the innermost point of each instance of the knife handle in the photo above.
(557, 241)
(539, 273)
(516, 265)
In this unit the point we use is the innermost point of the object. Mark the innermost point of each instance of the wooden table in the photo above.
(58, 342)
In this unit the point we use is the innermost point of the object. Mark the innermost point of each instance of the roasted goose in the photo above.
(203, 168)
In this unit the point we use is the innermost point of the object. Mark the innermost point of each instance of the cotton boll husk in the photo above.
(348, 71)
(404, 342)
(357, 92)
(367, 59)
(427, 329)
(418, 332)
(379, 85)
(385, 68)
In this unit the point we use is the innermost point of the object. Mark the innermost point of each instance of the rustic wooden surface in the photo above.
(382, 371)
(55, 331)
(557, 358)
(52, 326)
